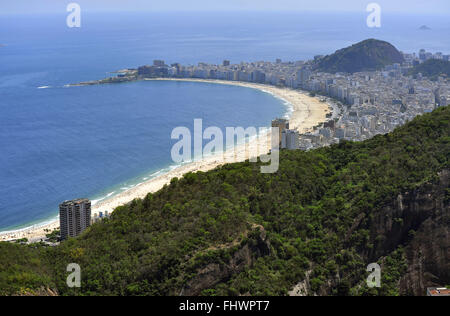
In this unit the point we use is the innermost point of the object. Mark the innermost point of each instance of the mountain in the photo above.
(311, 228)
(368, 55)
(432, 68)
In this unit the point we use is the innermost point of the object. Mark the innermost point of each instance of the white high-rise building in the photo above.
(290, 139)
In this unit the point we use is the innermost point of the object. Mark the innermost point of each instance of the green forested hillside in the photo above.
(368, 55)
(317, 214)
(432, 69)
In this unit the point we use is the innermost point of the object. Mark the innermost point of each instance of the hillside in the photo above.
(314, 225)
(368, 55)
(432, 68)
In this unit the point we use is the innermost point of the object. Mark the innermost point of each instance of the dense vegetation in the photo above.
(23, 269)
(368, 55)
(432, 68)
(156, 245)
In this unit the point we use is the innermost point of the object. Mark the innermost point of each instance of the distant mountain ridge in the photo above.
(368, 55)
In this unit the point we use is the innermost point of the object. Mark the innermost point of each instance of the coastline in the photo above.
(307, 112)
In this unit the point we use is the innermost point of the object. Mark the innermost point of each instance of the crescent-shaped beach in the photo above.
(307, 112)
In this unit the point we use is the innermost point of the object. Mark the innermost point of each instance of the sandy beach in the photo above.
(307, 112)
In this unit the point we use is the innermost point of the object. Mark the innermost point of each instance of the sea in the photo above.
(59, 143)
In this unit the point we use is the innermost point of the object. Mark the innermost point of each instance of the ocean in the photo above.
(60, 143)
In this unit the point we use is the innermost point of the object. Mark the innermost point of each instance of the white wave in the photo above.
(94, 202)
(287, 104)
(31, 227)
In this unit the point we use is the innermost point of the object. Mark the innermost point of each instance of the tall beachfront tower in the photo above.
(74, 217)
(290, 139)
(282, 125)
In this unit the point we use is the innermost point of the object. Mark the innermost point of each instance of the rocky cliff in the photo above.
(418, 221)
(428, 253)
(214, 273)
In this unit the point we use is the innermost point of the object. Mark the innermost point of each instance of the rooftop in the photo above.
(438, 291)
(76, 201)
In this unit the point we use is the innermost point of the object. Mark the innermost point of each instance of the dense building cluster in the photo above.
(365, 103)
(373, 102)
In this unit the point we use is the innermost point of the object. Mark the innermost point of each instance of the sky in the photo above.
(398, 6)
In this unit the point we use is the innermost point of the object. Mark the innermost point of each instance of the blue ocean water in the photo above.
(110, 137)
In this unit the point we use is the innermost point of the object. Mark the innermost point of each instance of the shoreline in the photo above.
(305, 112)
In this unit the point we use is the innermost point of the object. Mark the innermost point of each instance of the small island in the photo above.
(424, 28)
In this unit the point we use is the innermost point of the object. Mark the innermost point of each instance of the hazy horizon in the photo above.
(432, 7)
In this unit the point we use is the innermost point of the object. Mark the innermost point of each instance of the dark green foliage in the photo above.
(368, 55)
(156, 245)
(392, 267)
(54, 236)
(23, 269)
(432, 68)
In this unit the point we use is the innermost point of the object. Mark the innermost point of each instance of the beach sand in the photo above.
(307, 112)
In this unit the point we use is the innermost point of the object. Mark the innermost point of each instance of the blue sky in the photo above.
(403, 6)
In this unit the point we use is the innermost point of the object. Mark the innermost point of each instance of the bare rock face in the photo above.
(428, 254)
(38, 292)
(420, 221)
(212, 274)
(302, 288)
